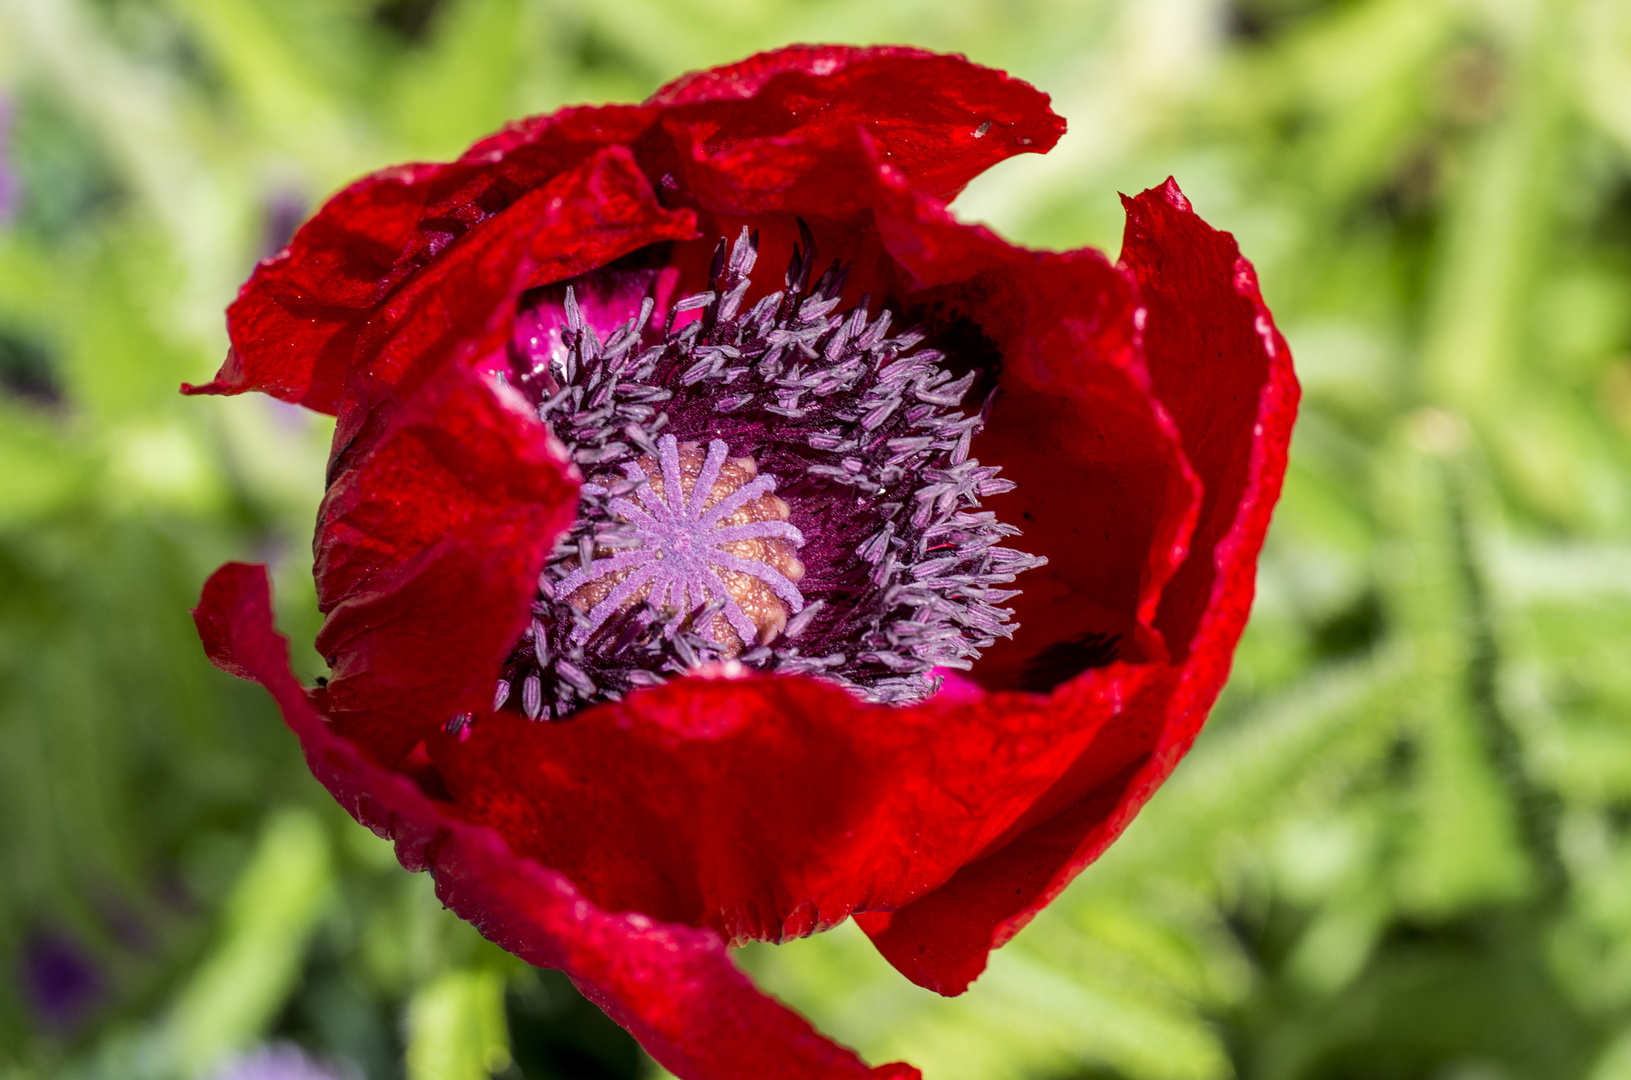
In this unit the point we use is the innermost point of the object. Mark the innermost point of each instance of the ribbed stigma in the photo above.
(701, 527)
(788, 487)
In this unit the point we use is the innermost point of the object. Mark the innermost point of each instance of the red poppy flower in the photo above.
(672, 605)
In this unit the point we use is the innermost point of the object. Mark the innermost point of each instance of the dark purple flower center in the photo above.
(787, 487)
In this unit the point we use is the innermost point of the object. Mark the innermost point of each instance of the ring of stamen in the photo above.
(872, 564)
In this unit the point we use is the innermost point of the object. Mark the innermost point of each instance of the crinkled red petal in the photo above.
(673, 987)
(464, 302)
(424, 547)
(753, 136)
(444, 499)
(769, 808)
(296, 321)
(295, 324)
(1225, 375)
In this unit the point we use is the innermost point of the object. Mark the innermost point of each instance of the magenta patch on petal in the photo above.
(607, 300)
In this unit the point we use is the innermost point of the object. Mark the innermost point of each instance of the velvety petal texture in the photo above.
(778, 132)
(1143, 409)
(673, 987)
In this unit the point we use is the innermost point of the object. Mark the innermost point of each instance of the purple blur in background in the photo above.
(61, 981)
(282, 1062)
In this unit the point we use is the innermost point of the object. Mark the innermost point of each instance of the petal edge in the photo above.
(674, 988)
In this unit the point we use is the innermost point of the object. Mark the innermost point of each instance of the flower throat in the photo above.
(787, 488)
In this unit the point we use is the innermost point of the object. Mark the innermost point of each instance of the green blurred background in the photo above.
(1402, 849)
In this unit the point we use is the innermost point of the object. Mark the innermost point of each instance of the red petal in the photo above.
(429, 548)
(771, 807)
(791, 113)
(1225, 374)
(673, 987)
(464, 302)
(778, 132)
(296, 320)
(444, 501)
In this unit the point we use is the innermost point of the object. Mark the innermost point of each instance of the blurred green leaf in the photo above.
(248, 974)
(456, 1028)
(47, 471)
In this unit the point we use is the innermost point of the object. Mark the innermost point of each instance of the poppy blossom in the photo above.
(675, 599)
